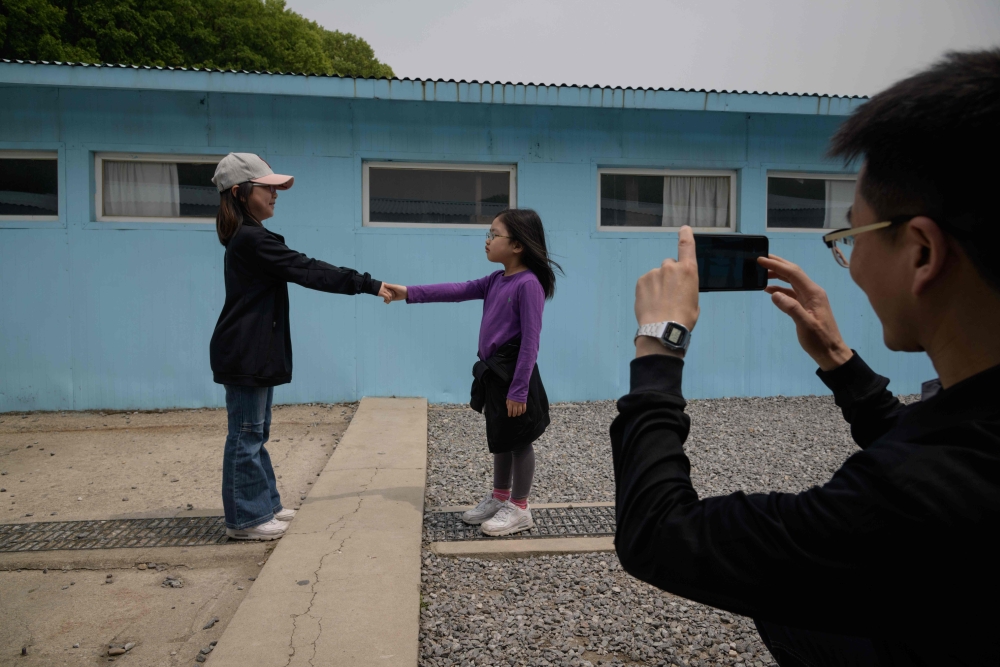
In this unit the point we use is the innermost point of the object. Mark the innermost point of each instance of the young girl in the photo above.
(251, 349)
(507, 388)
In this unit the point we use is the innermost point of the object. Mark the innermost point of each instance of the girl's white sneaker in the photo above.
(508, 520)
(483, 511)
(285, 515)
(271, 530)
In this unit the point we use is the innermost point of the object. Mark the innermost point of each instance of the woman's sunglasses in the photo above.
(272, 188)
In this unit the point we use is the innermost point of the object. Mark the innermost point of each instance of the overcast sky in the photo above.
(845, 47)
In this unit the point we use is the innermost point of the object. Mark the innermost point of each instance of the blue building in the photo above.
(111, 272)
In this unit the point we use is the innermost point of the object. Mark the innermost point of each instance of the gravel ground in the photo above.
(584, 609)
(569, 610)
(749, 444)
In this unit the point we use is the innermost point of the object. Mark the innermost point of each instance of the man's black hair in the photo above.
(930, 143)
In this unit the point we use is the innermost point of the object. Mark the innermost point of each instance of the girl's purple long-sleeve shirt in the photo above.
(512, 307)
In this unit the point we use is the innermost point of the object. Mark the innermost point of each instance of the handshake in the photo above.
(390, 292)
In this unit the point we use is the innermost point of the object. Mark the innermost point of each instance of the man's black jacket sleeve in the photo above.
(796, 559)
(286, 264)
(861, 394)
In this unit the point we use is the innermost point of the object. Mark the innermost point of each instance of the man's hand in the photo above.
(806, 303)
(393, 292)
(669, 293)
(515, 409)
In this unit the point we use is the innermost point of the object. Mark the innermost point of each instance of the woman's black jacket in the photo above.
(252, 343)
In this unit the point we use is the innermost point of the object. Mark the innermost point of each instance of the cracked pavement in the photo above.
(99, 457)
(342, 586)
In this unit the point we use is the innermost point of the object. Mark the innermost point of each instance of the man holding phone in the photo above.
(892, 561)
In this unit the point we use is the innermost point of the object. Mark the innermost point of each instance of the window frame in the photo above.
(98, 200)
(42, 154)
(814, 175)
(640, 171)
(366, 165)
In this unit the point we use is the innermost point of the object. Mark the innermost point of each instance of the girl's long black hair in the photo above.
(233, 212)
(525, 227)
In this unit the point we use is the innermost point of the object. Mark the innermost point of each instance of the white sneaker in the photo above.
(285, 515)
(271, 530)
(483, 511)
(508, 520)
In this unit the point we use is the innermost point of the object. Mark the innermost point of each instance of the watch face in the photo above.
(674, 335)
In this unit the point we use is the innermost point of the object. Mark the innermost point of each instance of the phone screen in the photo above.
(729, 263)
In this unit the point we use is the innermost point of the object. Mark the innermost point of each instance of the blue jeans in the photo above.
(249, 490)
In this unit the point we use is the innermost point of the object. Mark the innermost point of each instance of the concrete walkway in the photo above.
(343, 585)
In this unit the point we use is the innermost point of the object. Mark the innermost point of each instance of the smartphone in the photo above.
(728, 263)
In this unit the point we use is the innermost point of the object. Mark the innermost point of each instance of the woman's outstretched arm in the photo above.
(291, 266)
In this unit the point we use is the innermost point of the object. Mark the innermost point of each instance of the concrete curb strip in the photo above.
(105, 559)
(343, 585)
(462, 508)
(523, 548)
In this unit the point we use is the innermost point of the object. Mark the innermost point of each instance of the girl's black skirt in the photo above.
(490, 385)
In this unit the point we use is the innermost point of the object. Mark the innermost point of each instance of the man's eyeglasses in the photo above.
(841, 241)
(490, 235)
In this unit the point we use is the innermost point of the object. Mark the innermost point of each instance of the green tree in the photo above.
(223, 34)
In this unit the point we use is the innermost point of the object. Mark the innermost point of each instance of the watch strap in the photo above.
(654, 330)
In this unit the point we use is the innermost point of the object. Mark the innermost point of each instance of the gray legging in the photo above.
(518, 464)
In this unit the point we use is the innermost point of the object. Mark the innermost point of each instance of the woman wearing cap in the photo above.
(251, 349)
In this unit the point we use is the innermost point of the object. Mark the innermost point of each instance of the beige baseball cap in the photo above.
(238, 168)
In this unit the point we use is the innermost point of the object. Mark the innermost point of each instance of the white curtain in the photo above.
(146, 189)
(699, 201)
(839, 198)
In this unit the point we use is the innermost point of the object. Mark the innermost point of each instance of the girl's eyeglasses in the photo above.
(490, 235)
(841, 241)
(272, 188)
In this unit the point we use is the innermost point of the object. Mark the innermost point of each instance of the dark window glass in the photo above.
(808, 203)
(29, 187)
(436, 195)
(159, 189)
(796, 202)
(631, 201)
(199, 197)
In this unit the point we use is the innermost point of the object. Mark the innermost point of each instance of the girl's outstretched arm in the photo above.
(444, 292)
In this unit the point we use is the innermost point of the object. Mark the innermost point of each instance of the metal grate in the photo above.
(549, 522)
(113, 534)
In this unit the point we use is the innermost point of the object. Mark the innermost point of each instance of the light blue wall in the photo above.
(107, 315)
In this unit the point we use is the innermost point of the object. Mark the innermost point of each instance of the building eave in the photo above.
(131, 77)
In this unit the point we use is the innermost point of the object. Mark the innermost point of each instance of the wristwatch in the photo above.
(673, 335)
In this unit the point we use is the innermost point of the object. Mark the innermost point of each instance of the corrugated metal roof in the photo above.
(440, 90)
(473, 81)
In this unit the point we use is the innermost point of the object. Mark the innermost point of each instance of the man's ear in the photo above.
(930, 248)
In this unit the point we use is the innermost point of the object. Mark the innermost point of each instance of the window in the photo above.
(808, 201)
(639, 199)
(152, 188)
(29, 185)
(399, 194)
